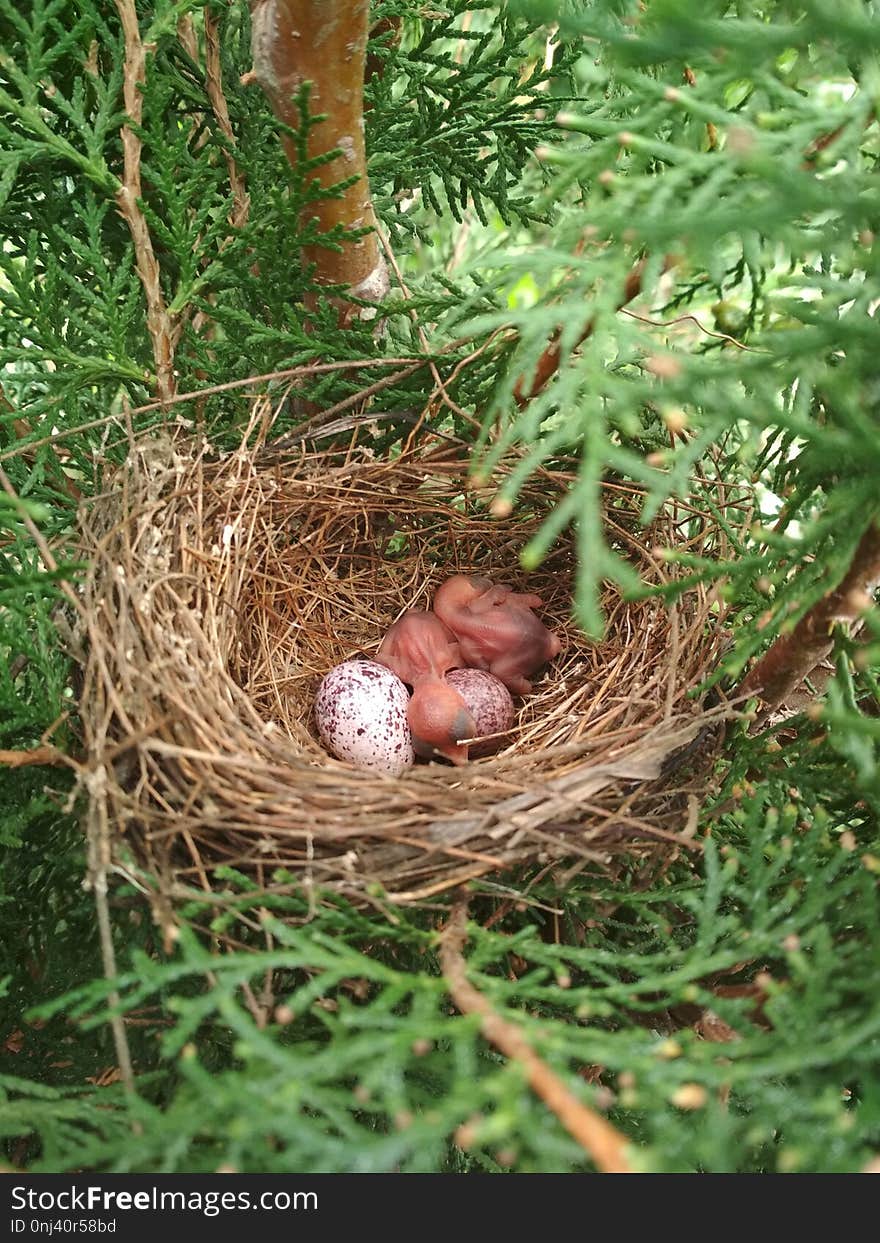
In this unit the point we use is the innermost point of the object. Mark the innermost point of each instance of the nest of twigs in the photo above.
(222, 588)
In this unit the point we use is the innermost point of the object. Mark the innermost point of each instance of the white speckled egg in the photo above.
(489, 702)
(360, 711)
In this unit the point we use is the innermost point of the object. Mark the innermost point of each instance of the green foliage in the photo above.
(365, 1065)
(458, 143)
(740, 141)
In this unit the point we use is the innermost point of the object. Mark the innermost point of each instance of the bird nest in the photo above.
(220, 590)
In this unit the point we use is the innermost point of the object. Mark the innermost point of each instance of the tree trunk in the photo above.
(324, 42)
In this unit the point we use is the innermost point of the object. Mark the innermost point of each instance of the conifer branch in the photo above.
(793, 657)
(324, 42)
(408, 366)
(159, 321)
(375, 65)
(39, 540)
(22, 429)
(604, 1144)
(548, 363)
(186, 33)
(213, 72)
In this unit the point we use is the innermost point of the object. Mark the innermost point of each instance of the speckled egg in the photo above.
(360, 711)
(489, 703)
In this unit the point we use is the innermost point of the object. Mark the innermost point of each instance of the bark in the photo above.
(324, 42)
(794, 656)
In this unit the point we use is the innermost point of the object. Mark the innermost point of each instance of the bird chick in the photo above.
(496, 629)
(420, 649)
(439, 720)
(419, 644)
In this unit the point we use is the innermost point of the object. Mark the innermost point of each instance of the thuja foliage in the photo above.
(364, 1064)
(524, 160)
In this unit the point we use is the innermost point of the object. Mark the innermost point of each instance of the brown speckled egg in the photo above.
(360, 711)
(489, 703)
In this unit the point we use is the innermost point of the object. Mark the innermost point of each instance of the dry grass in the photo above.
(221, 591)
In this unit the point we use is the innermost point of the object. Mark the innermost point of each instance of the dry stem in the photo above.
(287, 373)
(34, 755)
(160, 324)
(604, 1144)
(214, 87)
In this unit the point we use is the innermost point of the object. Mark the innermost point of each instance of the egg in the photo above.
(360, 712)
(489, 702)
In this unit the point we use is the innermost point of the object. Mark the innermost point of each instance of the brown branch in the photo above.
(306, 369)
(548, 363)
(35, 755)
(824, 141)
(792, 657)
(439, 386)
(213, 71)
(23, 429)
(159, 322)
(324, 42)
(39, 539)
(598, 1138)
(100, 858)
(238, 214)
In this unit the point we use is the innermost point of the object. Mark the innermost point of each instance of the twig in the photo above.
(22, 428)
(347, 403)
(792, 657)
(100, 860)
(37, 536)
(214, 86)
(598, 1138)
(374, 67)
(35, 755)
(159, 322)
(305, 369)
(439, 386)
(680, 319)
(237, 216)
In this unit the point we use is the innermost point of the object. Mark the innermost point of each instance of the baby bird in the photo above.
(496, 629)
(420, 650)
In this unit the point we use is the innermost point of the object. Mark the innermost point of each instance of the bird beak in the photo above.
(455, 751)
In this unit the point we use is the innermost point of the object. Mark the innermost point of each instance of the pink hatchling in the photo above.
(496, 629)
(421, 650)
